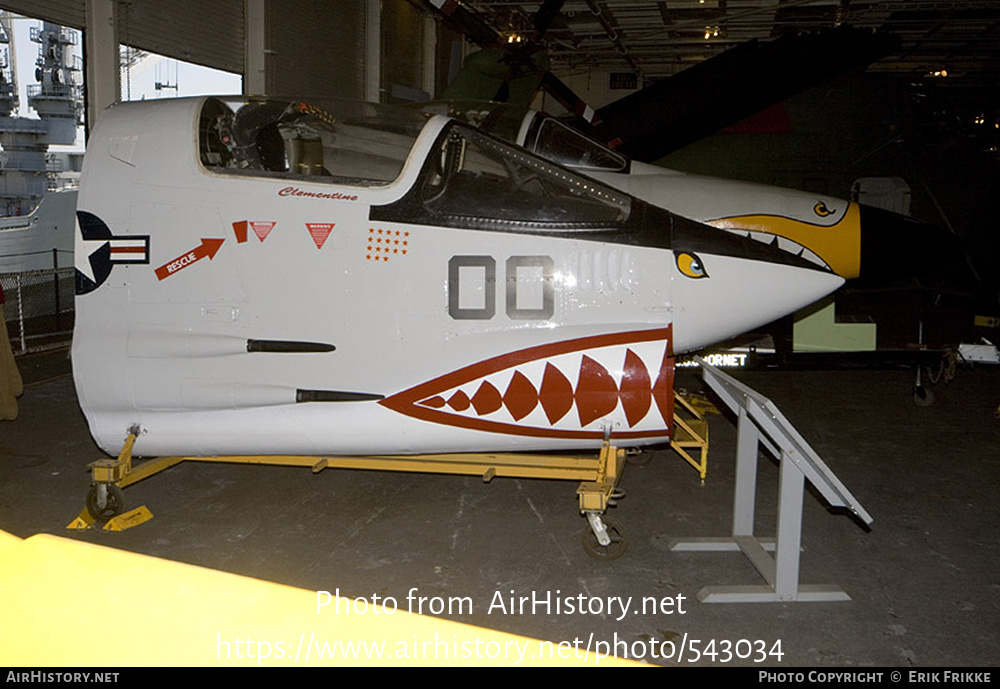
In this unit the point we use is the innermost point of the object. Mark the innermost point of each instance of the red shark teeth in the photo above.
(459, 401)
(532, 392)
(521, 397)
(487, 399)
(596, 392)
(556, 394)
(663, 390)
(636, 392)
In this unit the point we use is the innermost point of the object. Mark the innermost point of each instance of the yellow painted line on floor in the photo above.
(67, 603)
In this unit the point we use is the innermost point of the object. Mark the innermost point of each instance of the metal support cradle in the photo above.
(760, 422)
(598, 476)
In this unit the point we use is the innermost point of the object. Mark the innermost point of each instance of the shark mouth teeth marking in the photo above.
(572, 389)
(783, 243)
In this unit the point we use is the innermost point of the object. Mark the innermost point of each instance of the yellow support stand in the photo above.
(597, 490)
(690, 433)
(598, 476)
(595, 495)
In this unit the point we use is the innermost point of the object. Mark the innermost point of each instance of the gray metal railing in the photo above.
(39, 308)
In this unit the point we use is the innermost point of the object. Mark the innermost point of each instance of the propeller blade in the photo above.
(568, 98)
(545, 15)
(503, 93)
(523, 59)
(725, 89)
(469, 23)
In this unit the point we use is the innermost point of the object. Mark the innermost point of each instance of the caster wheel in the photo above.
(108, 505)
(612, 551)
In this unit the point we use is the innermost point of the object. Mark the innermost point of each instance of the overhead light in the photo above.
(938, 73)
(688, 5)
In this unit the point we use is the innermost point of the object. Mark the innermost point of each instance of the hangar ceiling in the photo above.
(658, 38)
(654, 38)
(729, 59)
(391, 50)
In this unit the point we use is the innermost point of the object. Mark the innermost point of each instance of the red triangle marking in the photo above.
(663, 390)
(556, 394)
(459, 401)
(435, 402)
(521, 397)
(320, 232)
(262, 228)
(636, 392)
(487, 399)
(596, 392)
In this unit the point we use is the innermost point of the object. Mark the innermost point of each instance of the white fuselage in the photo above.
(418, 337)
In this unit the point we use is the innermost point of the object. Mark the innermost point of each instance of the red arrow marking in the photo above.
(208, 247)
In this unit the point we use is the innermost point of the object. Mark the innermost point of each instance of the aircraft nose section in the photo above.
(724, 285)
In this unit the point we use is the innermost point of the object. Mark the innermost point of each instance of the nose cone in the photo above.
(874, 245)
(725, 285)
(895, 247)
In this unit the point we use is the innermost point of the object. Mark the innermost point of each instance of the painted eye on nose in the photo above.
(691, 265)
(821, 210)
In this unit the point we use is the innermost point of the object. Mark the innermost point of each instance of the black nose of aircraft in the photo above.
(896, 247)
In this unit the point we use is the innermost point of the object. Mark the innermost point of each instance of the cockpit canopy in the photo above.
(467, 180)
(475, 181)
(358, 144)
(540, 133)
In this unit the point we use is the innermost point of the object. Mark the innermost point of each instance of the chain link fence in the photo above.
(39, 308)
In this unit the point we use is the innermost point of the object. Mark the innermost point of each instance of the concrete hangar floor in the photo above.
(923, 581)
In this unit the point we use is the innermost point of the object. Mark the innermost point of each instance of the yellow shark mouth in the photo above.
(836, 246)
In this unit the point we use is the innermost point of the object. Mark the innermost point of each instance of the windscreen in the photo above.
(555, 141)
(473, 180)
